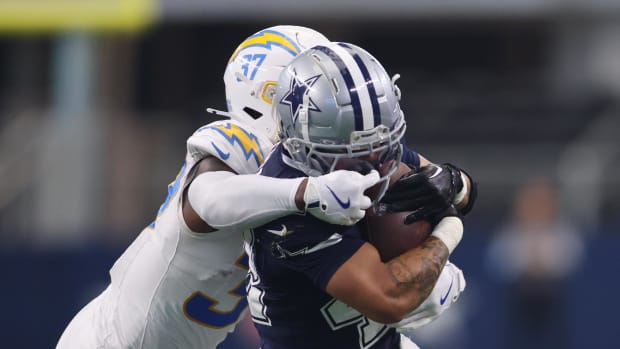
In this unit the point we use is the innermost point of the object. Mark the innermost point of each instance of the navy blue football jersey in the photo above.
(291, 261)
(410, 157)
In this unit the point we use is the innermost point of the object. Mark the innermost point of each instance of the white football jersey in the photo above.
(173, 288)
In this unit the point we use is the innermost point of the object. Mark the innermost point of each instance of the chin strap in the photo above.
(219, 113)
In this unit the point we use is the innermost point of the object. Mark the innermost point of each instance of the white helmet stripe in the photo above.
(376, 111)
(358, 80)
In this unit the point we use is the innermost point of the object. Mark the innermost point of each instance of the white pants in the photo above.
(80, 333)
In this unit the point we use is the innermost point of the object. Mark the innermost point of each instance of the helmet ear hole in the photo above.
(255, 114)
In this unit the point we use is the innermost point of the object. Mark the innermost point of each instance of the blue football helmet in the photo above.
(336, 103)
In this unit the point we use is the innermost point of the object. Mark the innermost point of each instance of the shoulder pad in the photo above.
(242, 149)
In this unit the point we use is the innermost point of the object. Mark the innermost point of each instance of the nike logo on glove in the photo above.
(443, 299)
(437, 172)
(224, 155)
(342, 204)
(283, 232)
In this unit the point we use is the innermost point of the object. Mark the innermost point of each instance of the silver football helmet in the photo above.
(253, 69)
(336, 103)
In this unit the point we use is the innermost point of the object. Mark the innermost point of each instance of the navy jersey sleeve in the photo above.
(314, 248)
(310, 246)
(410, 157)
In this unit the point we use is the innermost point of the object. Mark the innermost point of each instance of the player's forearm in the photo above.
(424, 161)
(415, 273)
(299, 195)
(225, 200)
(446, 291)
(388, 292)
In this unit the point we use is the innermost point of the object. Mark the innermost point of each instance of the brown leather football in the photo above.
(388, 232)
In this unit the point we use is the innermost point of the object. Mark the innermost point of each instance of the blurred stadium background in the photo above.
(97, 99)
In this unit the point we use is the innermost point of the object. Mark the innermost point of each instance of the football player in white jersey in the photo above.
(181, 283)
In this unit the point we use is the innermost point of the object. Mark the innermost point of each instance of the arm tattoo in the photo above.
(420, 267)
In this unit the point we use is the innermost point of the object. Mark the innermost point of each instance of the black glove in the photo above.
(450, 211)
(427, 192)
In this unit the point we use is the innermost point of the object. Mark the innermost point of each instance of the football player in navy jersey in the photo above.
(318, 285)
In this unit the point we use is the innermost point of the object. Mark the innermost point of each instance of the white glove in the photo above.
(338, 197)
(449, 286)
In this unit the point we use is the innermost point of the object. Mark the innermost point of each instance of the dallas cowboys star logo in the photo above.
(294, 98)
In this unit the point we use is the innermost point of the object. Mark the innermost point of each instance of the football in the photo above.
(388, 232)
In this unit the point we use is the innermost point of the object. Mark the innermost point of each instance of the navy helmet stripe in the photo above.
(365, 86)
(376, 115)
(346, 75)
